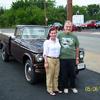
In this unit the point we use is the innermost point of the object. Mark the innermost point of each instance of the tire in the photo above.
(77, 72)
(0, 46)
(30, 73)
(5, 56)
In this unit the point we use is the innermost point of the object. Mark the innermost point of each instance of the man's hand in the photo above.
(77, 60)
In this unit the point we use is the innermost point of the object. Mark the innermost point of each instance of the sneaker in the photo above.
(65, 90)
(74, 90)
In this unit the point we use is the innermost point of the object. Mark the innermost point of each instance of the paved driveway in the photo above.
(13, 85)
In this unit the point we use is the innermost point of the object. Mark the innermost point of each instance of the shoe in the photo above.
(74, 90)
(59, 91)
(52, 93)
(65, 90)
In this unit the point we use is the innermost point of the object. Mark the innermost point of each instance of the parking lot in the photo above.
(13, 85)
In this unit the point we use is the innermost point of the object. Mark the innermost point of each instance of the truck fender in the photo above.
(26, 57)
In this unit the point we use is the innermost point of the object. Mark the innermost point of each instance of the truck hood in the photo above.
(35, 45)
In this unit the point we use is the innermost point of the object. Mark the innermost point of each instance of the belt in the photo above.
(53, 57)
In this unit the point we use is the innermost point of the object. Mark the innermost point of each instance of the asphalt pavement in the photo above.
(13, 85)
(90, 41)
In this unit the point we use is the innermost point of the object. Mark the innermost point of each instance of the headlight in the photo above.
(81, 55)
(38, 58)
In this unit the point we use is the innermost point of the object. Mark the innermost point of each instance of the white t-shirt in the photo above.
(51, 48)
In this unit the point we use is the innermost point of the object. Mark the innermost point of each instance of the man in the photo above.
(68, 58)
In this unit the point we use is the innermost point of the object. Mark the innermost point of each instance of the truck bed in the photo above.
(4, 38)
(6, 34)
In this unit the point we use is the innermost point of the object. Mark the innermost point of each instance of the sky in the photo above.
(7, 3)
(78, 2)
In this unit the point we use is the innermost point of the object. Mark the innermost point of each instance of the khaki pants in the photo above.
(52, 73)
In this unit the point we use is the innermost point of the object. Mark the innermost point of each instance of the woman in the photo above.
(51, 51)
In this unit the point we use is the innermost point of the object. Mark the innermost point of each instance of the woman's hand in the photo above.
(46, 65)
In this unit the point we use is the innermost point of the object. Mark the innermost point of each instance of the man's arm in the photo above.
(77, 55)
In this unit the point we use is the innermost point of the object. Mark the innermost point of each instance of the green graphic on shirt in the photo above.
(66, 42)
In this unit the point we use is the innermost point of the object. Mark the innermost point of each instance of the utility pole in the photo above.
(45, 12)
(69, 10)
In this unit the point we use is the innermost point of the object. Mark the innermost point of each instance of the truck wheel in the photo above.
(5, 56)
(77, 72)
(30, 74)
(0, 46)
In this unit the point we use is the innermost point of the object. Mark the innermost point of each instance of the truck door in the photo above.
(17, 48)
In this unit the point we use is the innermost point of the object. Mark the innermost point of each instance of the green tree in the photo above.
(1, 10)
(22, 4)
(31, 3)
(32, 12)
(93, 9)
(56, 14)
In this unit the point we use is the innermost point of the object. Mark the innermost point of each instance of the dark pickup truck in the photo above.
(26, 46)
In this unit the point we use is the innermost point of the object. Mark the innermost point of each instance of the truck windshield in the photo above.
(34, 32)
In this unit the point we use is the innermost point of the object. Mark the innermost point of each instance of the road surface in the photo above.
(90, 41)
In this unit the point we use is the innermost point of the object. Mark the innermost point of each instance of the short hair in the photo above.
(68, 21)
